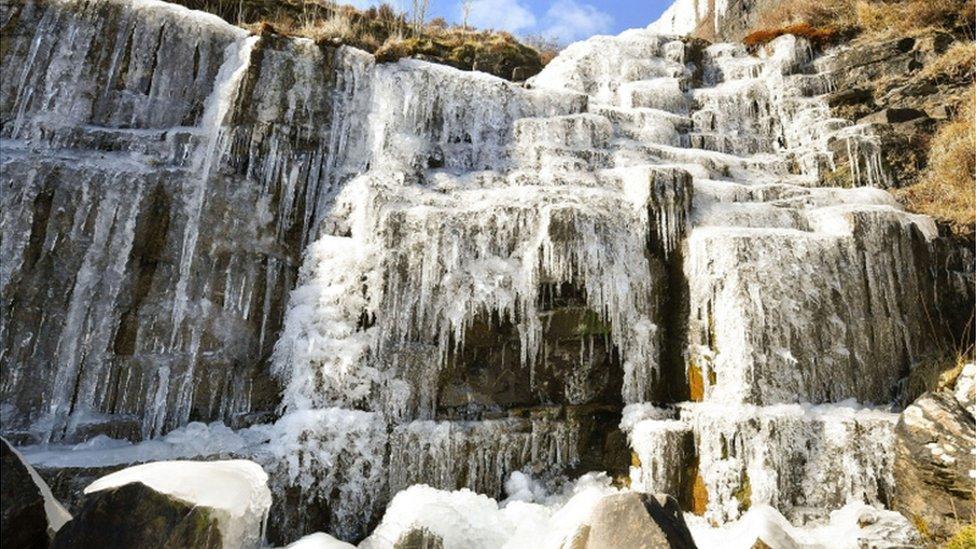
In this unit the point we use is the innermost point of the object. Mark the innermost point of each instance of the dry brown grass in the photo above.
(876, 17)
(947, 191)
(835, 14)
(498, 53)
(957, 64)
(384, 31)
(908, 17)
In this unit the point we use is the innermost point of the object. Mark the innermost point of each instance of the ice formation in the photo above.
(685, 16)
(489, 272)
(236, 492)
(137, 134)
(56, 514)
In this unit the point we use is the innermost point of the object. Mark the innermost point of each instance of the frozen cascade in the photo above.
(798, 458)
(489, 271)
(123, 156)
(464, 217)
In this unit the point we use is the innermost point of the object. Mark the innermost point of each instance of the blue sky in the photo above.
(565, 20)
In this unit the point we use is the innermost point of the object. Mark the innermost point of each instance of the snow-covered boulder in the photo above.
(134, 515)
(632, 519)
(29, 514)
(184, 503)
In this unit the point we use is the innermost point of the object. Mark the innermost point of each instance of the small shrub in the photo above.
(947, 191)
(819, 37)
(547, 47)
(965, 538)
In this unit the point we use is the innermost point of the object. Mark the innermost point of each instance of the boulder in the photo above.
(135, 515)
(29, 514)
(935, 438)
(173, 504)
(633, 520)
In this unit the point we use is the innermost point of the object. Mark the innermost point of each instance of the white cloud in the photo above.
(508, 15)
(569, 21)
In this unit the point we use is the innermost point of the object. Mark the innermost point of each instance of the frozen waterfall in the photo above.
(395, 274)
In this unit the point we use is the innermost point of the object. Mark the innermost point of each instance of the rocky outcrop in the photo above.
(29, 514)
(933, 465)
(135, 515)
(888, 84)
(150, 299)
(634, 520)
(714, 20)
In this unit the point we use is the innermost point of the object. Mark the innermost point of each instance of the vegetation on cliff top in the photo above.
(832, 20)
(387, 33)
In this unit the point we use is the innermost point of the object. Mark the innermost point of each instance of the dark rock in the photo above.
(849, 96)
(68, 483)
(891, 116)
(135, 515)
(23, 521)
(633, 519)
(419, 538)
(934, 440)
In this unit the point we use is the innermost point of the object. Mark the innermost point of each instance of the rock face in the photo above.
(886, 84)
(24, 523)
(634, 520)
(29, 515)
(135, 515)
(933, 464)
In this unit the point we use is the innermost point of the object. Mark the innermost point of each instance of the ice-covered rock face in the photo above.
(136, 136)
(490, 272)
(799, 459)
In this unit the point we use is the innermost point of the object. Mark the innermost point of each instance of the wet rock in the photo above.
(68, 483)
(135, 515)
(28, 513)
(631, 520)
(935, 438)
